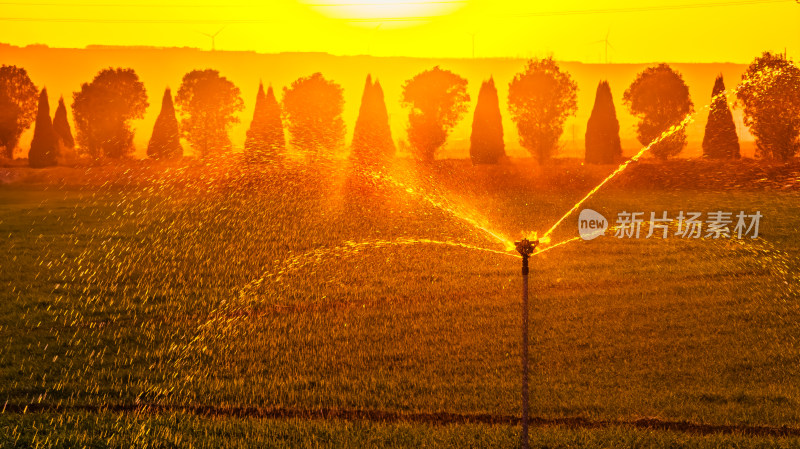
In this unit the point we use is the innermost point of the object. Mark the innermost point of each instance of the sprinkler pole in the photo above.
(525, 248)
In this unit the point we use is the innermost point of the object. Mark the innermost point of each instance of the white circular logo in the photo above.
(591, 224)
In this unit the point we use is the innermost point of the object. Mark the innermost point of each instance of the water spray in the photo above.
(525, 248)
(766, 73)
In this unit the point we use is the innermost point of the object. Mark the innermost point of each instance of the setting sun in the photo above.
(370, 12)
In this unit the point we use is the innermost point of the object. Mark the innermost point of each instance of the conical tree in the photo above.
(602, 130)
(165, 143)
(720, 140)
(372, 136)
(265, 140)
(361, 132)
(61, 126)
(44, 146)
(486, 141)
(383, 132)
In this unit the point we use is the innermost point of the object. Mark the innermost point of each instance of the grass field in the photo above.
(222, 306)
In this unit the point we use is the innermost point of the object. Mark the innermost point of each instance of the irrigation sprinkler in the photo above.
(525, 248)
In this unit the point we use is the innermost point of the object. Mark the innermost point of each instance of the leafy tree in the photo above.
(265, 140)
(486, 141)
(437, 100)
(540, 99)
(772, 106)
(18, 96)
(165, 143)
(313, 109)
(372, 136)
(208, 104)
(602, 130)
(44, 147)
(660, 99)
(9, 116)
(103, 110)
(61, 126)
(720, 140)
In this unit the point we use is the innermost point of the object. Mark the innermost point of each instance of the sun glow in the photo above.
(392, 12)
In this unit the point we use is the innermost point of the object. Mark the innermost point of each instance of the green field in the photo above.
(221, 306)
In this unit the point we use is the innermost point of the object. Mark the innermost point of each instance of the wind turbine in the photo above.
(472, 34)
(213, 37)
(608, 43)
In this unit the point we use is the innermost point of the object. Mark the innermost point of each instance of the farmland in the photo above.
(206, 304)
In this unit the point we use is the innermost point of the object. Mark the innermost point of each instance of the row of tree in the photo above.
(660, 98)
(540, 99)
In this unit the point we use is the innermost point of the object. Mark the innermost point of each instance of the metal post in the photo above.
(525, 405)
(525, 248)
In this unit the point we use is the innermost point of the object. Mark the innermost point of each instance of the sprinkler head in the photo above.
(526, 247)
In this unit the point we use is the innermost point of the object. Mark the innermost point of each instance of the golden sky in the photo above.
(576, 30)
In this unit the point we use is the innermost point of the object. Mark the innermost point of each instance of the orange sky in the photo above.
(638, 31)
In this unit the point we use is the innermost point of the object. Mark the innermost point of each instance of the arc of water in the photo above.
(477, 222)
(759, 76)
(301, 260)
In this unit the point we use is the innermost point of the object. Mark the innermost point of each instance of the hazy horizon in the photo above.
(432, 58)
(573, 30)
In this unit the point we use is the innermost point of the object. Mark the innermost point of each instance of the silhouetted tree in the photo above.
(660, 99)
(372, 136)
(265, 140)
(44, 146)
(383, 131)
(18, 96)
(720, 140)
(208, 104)
(313, 109)
(602, 130)
(540, 99)
(9, 114)
(437, 99)
(772, 107)
(61, 127)
(361, 137)
(103, 110)
(165, 143)
(486, 141)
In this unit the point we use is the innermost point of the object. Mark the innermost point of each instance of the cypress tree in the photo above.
(44, 146)
(602, 130)
(265, 140)
(372, 136)
(383, 132)
(720, 140)
(486, 142)
(361, 132)
(165, 142)
(61, 126)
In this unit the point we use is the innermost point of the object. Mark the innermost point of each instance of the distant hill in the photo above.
(62, 70)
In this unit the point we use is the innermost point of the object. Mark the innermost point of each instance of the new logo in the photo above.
(591, 224)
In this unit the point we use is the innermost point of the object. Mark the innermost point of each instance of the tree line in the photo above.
(540, 99)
